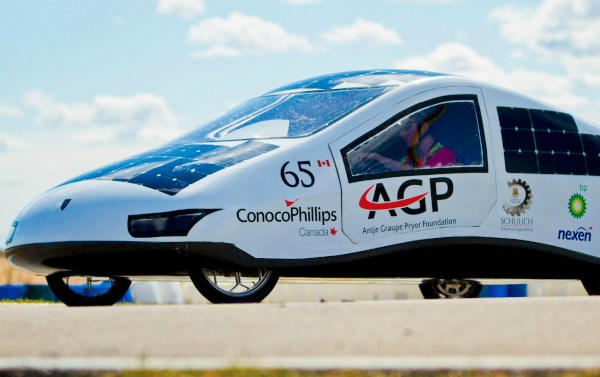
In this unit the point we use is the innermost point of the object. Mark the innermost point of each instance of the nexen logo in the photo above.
(402, 202)
(581, 234)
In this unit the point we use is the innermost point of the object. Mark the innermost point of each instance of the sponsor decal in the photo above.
(288, 203)
(319, 232)
(577, 206)
(581, 234)
(516, 224)
(518, 203)
(291, 179)
(289, 215)
(381, 200)
(521, 199)
(409, 227)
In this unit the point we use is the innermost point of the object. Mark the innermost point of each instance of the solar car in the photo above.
(365, 174)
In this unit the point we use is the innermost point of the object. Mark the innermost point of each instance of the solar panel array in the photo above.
(547, 142)
(170, 169)
(368, 78)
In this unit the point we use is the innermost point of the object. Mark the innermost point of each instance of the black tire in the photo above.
(219, 296)
(591, 286)
(431, 289)
(65, 294)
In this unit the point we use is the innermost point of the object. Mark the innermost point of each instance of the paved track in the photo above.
(514, 333)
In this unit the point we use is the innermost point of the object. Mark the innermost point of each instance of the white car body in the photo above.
(487, 223)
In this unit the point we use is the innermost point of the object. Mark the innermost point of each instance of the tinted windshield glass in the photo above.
(287, 115)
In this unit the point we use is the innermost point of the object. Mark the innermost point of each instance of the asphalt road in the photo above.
(478, 333)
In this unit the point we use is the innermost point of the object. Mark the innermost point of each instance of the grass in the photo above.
(292, 373)
(26, 301)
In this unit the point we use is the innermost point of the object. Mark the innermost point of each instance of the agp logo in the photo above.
(403, 203)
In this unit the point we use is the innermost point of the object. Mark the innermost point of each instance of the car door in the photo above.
(424, 165)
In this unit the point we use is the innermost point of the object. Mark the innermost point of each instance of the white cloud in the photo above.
(553, 29)
(364, 31)
(217, 51)
(11, 111)
(459, 59)
(239, 34)
(185, 9)
(8, 142)
(107, 118)
(564, 31)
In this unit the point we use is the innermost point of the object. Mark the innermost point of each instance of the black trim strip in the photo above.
(480, 257)
(404, 173)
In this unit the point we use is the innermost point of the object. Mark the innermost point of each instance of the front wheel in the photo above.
(436, 289)
(221, 286)
(72, 292)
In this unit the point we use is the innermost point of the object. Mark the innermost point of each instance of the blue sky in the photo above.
(85, 83)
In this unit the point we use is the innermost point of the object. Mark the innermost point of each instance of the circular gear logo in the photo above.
(520, 200)
(577, 206)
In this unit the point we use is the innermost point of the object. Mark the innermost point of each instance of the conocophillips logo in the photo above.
(521, 199)
(293, 214)
(403, 203)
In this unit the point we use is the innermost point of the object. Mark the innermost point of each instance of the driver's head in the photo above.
(408, 129)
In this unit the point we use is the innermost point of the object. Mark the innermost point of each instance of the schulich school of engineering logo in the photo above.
(519, 201)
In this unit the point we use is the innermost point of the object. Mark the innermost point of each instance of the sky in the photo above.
(86, 83)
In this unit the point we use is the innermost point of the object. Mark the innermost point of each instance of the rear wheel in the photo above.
(221, 286)
(436, 289)
(591, 286)
(78, 291)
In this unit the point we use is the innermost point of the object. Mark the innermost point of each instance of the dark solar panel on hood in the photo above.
(170, 169)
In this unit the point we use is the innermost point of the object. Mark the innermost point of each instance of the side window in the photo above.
(546, 142)
(439, 136)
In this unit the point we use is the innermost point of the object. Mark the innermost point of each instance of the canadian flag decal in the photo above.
(323, 163)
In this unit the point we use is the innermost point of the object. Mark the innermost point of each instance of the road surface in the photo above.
(517, 333)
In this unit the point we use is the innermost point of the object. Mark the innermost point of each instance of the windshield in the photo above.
(282, 116)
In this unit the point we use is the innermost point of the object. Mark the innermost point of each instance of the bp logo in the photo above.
(577, 206)
(520, 200)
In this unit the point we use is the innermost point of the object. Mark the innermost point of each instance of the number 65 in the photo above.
(294, 176)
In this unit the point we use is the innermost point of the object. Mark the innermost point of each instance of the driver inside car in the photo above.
(422, 148)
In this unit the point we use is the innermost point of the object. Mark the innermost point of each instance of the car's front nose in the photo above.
(103, 228)
(91, 210)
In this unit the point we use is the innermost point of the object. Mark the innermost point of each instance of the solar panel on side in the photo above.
(592, 153)
(558, 147)
(523, 162)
